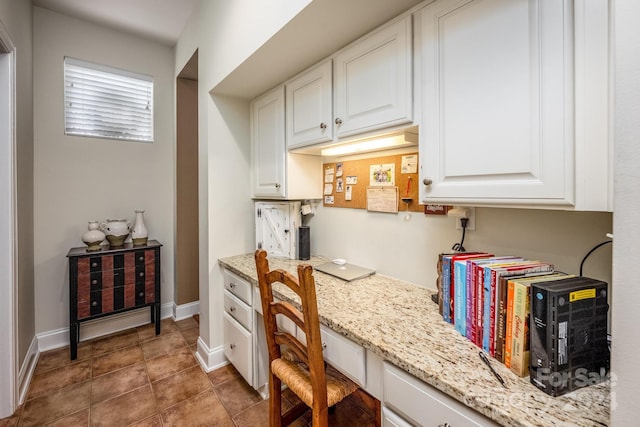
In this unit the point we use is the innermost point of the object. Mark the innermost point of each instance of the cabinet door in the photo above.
(268, 142)
(309, 107)
(373, 81)
(276, 228)
(497, 102)
(238, 346)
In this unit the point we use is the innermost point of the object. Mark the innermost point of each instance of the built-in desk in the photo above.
(399, 323)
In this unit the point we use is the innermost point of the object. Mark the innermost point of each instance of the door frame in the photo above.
(8, 227)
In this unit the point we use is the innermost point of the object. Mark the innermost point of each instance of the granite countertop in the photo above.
(399, 322)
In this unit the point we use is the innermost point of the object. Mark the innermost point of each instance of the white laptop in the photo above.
(346, 271)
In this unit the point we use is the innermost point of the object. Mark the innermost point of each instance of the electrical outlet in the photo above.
(471, 216)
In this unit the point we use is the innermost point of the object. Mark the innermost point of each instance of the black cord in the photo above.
(591, 251)
(458, 246)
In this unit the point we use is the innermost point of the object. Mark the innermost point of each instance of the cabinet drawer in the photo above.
(391, 419)
(237, 286)
(423, 404)
(237, 347)
(343, 354)
(238, 310)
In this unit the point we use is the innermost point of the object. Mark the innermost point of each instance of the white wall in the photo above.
(225, 34)
(409, 250)
(626, 296)
(80, 179)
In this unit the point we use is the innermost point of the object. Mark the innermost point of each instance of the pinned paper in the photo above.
(409, 163)
(348, 193)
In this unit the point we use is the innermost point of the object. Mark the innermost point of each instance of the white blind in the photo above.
(105, 102)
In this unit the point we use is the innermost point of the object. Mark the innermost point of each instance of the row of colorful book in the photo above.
(487, 299)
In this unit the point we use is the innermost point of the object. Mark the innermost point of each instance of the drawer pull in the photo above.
(324, 345)
(232, 309)
(232, 285)
(141, 258)
(94, 264)
(232, 346)
(141, 274)
(94, 282)
(141, 294)
(94, 303)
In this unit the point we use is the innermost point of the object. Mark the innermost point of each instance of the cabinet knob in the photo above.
(232, 309)
(427, 181)
(94, 303)
(232, 346)
(141, 294)
(232, 285)
(324, 345)
(141, 258)
(338, 121)
(94, 282)
(94, 264)
(141, 274)
(277, 185)
(323, 126)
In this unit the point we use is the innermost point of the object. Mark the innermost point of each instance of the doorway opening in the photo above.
(187, 251)
(8, 245)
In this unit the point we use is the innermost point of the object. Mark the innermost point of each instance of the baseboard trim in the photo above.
(210, 359)
(27, 369)
(184, 311)
(106, 325)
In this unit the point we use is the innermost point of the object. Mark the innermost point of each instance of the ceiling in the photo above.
(158, 20)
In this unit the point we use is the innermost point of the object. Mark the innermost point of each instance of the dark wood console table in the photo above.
(110, 281)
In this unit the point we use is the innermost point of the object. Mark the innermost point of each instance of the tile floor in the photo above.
(135, 378)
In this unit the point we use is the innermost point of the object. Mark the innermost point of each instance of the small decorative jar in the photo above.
(94, 237)
(139, 233)
(117, 230)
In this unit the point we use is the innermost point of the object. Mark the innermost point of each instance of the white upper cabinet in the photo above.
(309, 105)
(499, 118)
(373, 81)
(268, 143)
(277, 173)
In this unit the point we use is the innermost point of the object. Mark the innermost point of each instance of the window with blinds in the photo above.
(105, 102)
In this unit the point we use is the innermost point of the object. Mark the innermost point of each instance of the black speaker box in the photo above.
(304, 243)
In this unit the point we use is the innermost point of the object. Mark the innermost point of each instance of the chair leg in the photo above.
(275, 401)
(320, 416)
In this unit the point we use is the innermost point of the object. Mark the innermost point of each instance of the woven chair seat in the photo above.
(296, 375)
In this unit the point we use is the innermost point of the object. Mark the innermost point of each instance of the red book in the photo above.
(451, 282)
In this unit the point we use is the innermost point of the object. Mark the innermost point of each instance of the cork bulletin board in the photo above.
(387, 174)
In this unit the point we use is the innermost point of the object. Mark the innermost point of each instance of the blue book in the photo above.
(459, 300)
(446, 288)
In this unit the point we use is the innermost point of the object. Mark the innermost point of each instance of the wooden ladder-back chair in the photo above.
(301, 367)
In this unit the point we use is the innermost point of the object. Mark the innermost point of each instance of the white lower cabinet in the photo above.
(238, 324)
(409, 401)
(391, 419)
(238, 347)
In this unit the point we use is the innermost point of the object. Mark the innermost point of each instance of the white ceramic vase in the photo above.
(139, 233)
(116, 230)
(94, 237)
